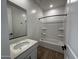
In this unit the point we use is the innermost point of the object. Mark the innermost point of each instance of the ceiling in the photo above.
(44, 4)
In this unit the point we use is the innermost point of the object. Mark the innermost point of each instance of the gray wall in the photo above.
(5, 52)
(72, 31)
(9, 19)
(21, 3)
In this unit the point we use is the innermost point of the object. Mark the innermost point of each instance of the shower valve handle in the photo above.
(64, 47)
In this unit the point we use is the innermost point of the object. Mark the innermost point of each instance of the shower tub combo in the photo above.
(53, 27)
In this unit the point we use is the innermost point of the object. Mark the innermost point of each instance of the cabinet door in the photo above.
(29, 57)
(32, 55)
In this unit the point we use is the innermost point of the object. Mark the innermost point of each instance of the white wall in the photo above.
(56, 11)
(72, 30)
(33, 22)
(5, 52)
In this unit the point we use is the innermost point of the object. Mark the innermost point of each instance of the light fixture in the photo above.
(51, 6)
(73, 1)
(23, 15)
(33, 11)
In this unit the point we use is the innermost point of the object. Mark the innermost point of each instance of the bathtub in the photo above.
(53, 44)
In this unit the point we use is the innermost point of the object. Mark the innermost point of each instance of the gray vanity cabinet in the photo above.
(31, 53)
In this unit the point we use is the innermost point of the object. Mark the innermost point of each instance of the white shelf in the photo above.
(43, 33)
(61, 29)
(60, 35)
(44, 28)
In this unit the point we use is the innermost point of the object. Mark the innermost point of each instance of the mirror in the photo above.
(17, 21)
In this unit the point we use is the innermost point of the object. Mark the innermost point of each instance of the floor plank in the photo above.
(45, 53)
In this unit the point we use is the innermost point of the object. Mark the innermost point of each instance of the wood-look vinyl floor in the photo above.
(45, 53)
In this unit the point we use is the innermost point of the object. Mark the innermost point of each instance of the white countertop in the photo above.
(15, 52)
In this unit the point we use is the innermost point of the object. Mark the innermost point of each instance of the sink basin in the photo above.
(18, 46)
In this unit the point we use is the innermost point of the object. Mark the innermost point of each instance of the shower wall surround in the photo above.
(54, 25)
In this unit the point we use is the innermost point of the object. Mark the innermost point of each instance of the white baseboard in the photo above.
(5, 57)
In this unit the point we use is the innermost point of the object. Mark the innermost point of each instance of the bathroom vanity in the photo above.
(25, 49)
